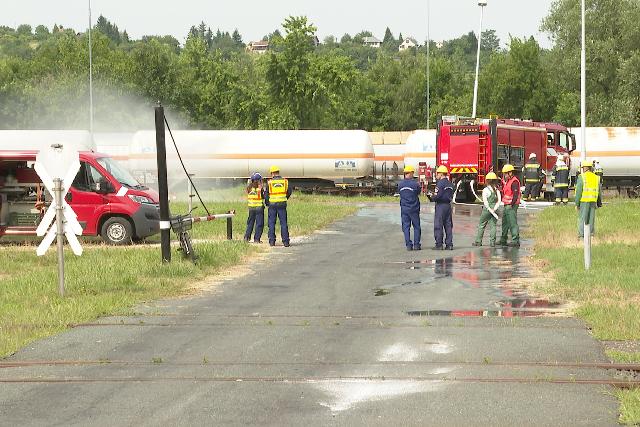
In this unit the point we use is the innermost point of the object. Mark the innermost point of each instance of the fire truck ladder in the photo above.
(483, 138)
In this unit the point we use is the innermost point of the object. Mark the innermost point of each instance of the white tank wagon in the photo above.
(237, 154)
(617, 150)
(421, 147)
(35, 140)
(388, 160)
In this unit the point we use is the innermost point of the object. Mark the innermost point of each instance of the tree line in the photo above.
(212, 82)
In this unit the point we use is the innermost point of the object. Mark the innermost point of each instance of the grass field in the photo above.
(608, 295)
(109, 280)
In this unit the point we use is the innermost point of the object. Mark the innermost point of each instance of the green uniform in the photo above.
(487, 218)
(510, 223)
(587, 200)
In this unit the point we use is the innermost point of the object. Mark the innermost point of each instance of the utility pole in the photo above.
(163, 189)
(90, 78)
(428, 59)
(482, 4)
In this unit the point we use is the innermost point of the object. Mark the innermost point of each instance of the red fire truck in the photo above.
(471, 148)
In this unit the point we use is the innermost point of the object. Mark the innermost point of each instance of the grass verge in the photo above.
(608, 295)
(108, 281)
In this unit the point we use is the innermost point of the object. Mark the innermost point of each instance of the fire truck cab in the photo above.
(471, 148)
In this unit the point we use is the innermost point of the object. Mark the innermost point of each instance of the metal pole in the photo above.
(428, 74)
(190, 192)
(163, 189)
(90, 77)
(57, 190)
(475, 85)
(229, 228)
(583, 88)
(587, 246)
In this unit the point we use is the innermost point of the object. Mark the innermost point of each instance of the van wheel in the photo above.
(116, 231)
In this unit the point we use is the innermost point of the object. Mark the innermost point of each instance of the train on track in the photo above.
(321, 159)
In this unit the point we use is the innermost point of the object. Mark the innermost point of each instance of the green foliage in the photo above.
(212, 82)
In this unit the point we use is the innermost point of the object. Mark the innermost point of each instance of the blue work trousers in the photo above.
(278, 210)
(411, 218)
(443, 224)
(256, 216)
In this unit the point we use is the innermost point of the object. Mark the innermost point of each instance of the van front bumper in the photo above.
(146, 221)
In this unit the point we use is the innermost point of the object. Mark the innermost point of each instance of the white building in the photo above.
(372, 42)
(408, 43)
(258, 47)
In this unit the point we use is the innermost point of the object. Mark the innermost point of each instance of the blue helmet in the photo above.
(256, 177)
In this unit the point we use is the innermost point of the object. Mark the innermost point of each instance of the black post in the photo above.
(229, 228)
(163, 190)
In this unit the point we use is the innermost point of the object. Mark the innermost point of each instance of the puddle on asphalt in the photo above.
(507, 308)
(381, 292)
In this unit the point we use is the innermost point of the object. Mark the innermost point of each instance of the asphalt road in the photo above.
(345, 328)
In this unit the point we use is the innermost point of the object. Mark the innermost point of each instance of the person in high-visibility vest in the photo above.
(442, 219)
(532, 177)
(588, 198)
(598, 170)
(409, 190)
(255, 202)
(560, 180)
(511, 200)
(276, 197)
(491, 201)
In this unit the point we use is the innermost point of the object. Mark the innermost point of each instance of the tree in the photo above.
(237, 38)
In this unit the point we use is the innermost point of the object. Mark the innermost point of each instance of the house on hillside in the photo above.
(408, 43)
(372, 42)
(258, 47)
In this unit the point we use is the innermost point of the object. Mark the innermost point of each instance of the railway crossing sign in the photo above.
(57, 168)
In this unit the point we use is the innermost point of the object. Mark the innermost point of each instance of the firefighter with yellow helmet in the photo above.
(511, 200)
(409, 190)
(442, 220)
(489, 216)
(276, 196)
(588, 197)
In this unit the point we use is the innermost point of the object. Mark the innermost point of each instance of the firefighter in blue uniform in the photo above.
(409, 190)
(255, 202)
(442, 221)
(276, 196)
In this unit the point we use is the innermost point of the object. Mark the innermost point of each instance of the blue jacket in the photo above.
(444, 191)
(409, 190)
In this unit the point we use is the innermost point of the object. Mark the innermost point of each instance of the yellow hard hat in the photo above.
(587, 164)
(442, 169)
(491, 175)
(408, 169)
(507, 168)
(273, 169)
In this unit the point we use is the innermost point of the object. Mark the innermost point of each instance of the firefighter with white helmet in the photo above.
(560, 178)
(588, 197)
(255, 202)
(409, 190)
(511, 200)
(491, 201)
(442, 220)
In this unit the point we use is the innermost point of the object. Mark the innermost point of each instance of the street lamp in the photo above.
(428, 76)
(583, 90)
(482, 4)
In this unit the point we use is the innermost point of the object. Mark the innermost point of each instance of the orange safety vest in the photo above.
(278, 190)
(254, 198)
(507, 192)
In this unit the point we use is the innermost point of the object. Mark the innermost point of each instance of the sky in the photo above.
(449, 18)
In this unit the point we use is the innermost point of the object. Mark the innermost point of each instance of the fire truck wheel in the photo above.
(117, 231)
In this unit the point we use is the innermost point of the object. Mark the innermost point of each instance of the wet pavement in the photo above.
(346, 328)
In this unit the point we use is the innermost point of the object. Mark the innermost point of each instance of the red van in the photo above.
(108, 201)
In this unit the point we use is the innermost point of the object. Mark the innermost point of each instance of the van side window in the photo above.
(86, 178)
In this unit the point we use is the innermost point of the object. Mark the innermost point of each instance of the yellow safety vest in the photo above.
(254, 198)
(278, 190)
(590, 187)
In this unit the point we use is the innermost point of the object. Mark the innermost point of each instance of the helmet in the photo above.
(491, 175)
(532, 155)
(408, 169)
(256, 177)
(586, 164)
(442, 169)
(507, 168)
(273, 169)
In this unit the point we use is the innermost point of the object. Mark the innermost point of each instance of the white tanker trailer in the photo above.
(388, 160)
(300, 154)
(421, 148)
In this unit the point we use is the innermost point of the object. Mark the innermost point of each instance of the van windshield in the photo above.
(119, 173)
